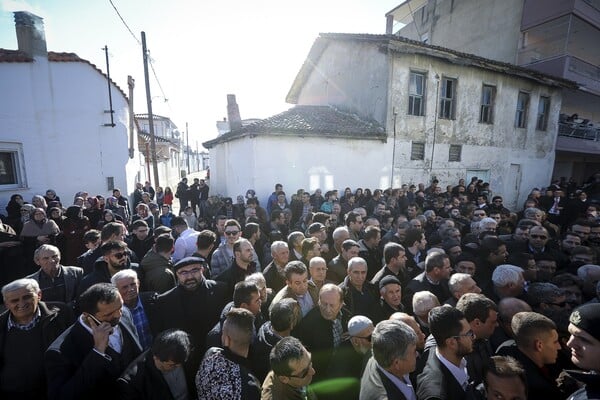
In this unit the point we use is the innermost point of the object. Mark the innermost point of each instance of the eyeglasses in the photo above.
(231, 233)
(368, 338)
(469, 333)
(538, 237)
(192, 271)
(304, 372)
(120, 255)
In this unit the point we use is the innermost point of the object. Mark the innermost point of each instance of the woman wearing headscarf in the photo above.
(37, 231)
(74, 227)
(51, 196)
(39, 202)
(13, 212)
(93, 211)
(56, 215)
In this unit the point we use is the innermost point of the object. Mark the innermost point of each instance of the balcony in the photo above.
(536, 12)
(578, 138)
(579, 131)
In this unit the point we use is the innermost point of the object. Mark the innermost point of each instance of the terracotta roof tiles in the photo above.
(308, 120)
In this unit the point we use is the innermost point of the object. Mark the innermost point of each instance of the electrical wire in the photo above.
(164, 96)
(125, 23)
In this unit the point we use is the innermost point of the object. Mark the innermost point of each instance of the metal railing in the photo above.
(579, 131)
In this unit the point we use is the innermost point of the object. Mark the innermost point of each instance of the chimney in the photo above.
(30, 34)
(233, 113)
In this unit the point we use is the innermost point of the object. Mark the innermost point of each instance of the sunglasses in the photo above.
(120, 255)
(231, 233)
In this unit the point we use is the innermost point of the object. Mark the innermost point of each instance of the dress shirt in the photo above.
(459, 373)
(403, 384)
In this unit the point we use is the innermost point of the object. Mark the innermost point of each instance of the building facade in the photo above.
(432, 112)
(55, 122)
(556, 37)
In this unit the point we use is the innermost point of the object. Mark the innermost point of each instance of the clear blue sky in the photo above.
(202, 50)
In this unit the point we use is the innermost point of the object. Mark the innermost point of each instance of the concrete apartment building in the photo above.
(556, 37)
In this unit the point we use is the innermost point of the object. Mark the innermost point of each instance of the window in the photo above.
(522, 106)
(488, 94)
(417, 151)
(416, 94)
(455, 152)
(542, 117)
(447, 96)
(12, 166)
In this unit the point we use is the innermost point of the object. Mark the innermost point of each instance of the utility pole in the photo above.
(187, 147)
(150, 116)
(110, 105)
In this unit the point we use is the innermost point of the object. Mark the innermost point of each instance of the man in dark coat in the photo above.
(331, 323)
(434, 280)
(27, 327)
(158, 373)
(394, 358)
(85, 361)
(193, 306)
(536, 348)
(57, 282)
(445, 373)
(584, 343)
(115, 257)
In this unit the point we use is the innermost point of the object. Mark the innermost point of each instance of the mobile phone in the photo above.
(95, 319)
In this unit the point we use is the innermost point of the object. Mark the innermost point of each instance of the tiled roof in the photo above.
(13, 56)
(146, 137)
(19, 56)
(302, 121)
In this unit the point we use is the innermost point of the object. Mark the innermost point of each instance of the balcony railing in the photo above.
(579, 131)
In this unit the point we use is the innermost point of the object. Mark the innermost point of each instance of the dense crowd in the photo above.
(418, 292)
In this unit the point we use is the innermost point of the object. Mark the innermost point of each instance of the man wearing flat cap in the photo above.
(584, 327)
(390, 302)
(194, 306)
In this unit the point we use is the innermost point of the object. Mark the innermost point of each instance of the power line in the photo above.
(140, 44)
(158, 82)
(125, 23)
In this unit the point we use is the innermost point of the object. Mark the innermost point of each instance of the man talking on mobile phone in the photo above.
(85, 361)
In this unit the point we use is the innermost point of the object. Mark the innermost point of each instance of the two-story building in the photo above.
(380, 110)
(556, 37)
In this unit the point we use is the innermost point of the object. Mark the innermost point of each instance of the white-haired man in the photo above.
(422, 303)
(27, 328)
(139, 304)
(460, 284)
(274, 272)
(508, 282)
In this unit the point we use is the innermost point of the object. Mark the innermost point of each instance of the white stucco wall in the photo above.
(308, 163)
(56, 111)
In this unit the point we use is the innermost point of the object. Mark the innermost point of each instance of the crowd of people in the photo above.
(419, 292)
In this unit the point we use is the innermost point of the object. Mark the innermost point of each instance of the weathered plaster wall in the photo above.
(352, 78)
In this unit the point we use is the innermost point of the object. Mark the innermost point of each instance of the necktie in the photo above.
(337, 333)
